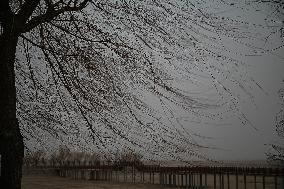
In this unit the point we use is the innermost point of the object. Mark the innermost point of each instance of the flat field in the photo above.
(54, 182)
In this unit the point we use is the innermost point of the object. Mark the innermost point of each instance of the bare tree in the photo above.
(100, 60)
(276, 153)
(35, 158)
(18, 18)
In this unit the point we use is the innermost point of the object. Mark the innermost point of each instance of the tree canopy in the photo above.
(117, 73)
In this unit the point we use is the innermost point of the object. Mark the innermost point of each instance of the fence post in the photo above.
(220, 178)
(214, 172)
(275, 181)
(186, 180)
(160, 176)
(245, 180)
(125, 174)
(116, 175)
(189, 179)
(263, 182)
(237, 179)
(254, 181)
(200, 180)
(141, 176)
(282, 179)
(134, 172)
(281, 174)
(181, 180)
(223, 184)
(228, 178)
(205, 180)
(192, 179)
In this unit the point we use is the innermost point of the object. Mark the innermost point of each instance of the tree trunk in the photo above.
(11, 140)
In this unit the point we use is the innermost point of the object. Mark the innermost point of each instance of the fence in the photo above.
(181, 177)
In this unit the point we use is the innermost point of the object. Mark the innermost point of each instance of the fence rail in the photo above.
(182, 177)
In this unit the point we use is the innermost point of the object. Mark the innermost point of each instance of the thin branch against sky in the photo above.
(128, 70)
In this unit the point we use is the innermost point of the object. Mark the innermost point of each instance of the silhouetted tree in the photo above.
(100, 60)
(18, 18)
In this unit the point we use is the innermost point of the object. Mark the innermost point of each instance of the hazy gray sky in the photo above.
(242, 142)
(260, 61)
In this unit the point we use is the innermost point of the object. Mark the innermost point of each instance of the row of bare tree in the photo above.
(64, 154)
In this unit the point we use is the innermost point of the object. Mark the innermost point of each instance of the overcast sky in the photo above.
(268, 69)
(261, 64)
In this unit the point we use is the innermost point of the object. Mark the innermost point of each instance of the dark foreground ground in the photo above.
(53, 182)
(41, 181)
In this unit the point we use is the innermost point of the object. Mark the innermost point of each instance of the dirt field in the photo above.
(53, 182)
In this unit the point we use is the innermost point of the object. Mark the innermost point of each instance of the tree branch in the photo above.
(51, 13)
(5, 10)
(27, 10)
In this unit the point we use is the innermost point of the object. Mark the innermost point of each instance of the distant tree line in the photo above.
(64, 155)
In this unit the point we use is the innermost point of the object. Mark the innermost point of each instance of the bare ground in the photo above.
(54, 182)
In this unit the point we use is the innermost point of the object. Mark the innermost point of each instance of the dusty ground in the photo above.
(53, 182)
